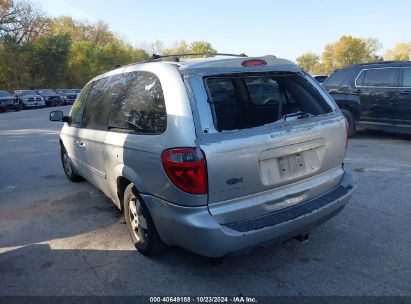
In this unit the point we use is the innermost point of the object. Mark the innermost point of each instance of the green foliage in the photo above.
(307, 61)
(181, 47)
(340, 54)
(37, 52)
(40, 52)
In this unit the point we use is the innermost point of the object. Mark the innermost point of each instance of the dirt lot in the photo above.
(60, 238)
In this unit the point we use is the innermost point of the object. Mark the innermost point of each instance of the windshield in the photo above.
(27, 92)
(5, 94)
(248, 101)
(47, 92)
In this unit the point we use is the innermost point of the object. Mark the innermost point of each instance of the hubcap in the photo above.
(137, 220)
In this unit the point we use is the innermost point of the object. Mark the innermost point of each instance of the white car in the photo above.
(30, 99)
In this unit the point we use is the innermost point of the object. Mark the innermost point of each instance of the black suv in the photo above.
(374, 95)
(51, 98)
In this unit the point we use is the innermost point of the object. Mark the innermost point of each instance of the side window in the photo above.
(140, 105)
(99, 100)
(406, 78)
(381, 77)
(359, 82)
(76, 114)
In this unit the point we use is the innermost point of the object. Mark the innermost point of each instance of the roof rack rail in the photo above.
(157, 57)
(175, 57)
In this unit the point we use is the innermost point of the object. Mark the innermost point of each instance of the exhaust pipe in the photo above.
(303, 238)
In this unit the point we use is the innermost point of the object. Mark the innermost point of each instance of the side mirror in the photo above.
(58, 116)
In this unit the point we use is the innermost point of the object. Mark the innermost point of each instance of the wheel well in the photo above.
(122, 184)
(354, 112)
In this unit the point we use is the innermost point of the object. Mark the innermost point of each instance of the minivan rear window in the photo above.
(241, 102)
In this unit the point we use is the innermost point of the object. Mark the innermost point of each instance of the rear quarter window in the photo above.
(140, 105)
(338, 78)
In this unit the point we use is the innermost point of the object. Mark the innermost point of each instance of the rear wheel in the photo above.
(140, 224)
(68, 166)
(350, 122)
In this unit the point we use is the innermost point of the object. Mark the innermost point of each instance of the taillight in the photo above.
(186, 168)
(253, 62)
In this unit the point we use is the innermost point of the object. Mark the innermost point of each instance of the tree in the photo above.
(201, 47)
(181, 47)
(349, 50)
(156, 47)
(400, 52)
(178, 47)
(20, 20)
(50, 60)
(307, 61)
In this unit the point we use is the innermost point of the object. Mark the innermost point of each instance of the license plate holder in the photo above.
(291, 165)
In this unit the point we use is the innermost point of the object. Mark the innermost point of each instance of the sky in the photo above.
(285, 29)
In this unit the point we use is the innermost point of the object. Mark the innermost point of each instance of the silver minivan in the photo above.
(216, 155)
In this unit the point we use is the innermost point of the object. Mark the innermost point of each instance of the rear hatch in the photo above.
(275, 141)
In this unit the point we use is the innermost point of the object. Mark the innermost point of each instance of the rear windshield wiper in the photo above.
(296, 115)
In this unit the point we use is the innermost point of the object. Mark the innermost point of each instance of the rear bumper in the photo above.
(193, 228)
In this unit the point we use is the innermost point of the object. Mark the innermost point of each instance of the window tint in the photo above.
(381, 77)
(77, 110)
(360, 79)
(102, 94)
(406, 81)
(140, 106)
(241, 102)
(337, 78)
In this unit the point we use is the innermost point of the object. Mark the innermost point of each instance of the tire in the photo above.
(70, 172)
(350, 122)
(140, 224)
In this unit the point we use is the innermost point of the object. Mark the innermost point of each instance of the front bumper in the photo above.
(7, 106)
(193, 228)
(33, 105)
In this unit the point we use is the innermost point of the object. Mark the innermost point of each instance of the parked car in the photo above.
(8, 102)
(320, 78)
(68, 97)
(374, 95)
(77, 91)
(29, 99)
(194, 159)
(50, 97)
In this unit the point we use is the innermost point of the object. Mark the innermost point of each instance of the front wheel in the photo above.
(140, 224)
(68, 166)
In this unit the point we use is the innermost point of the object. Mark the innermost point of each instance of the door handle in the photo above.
(358, 91)
(405, 92)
